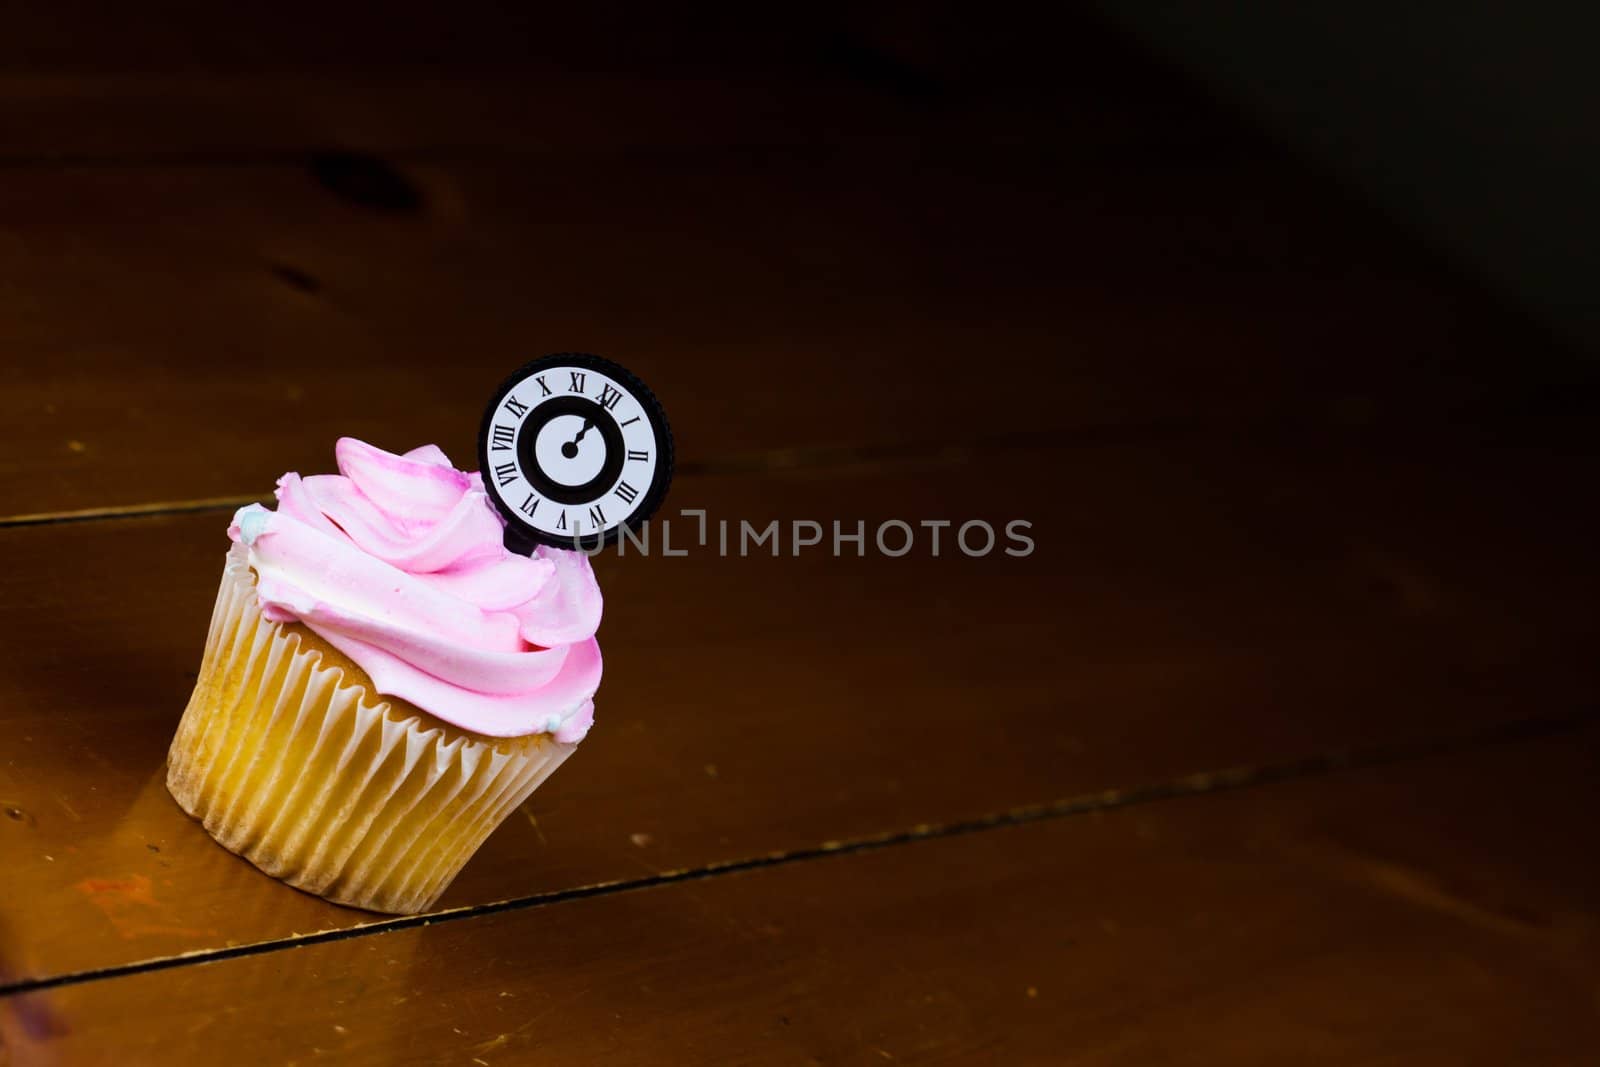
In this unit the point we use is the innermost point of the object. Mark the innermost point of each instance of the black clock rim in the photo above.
(520, 536)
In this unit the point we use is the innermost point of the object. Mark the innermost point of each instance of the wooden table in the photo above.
(1281, 745)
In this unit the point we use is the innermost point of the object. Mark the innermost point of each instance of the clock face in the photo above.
(573, 448)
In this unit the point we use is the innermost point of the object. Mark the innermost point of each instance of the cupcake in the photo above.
(383, 682)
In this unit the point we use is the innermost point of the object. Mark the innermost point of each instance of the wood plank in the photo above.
(180, 333)
(82, 86)
(233, 118)
(1187, 608)
(1441, 912)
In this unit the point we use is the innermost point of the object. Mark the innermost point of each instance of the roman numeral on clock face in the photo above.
(561, 523)
(503, 438)
(627, 492)
(505, 474)
(597, 518)
(542, 385)
(609, 396)
(516, 407)
(577, 381)
(630, 422)
(636, 454)
(527, 506)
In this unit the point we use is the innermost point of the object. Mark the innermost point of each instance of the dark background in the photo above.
(1472, 123)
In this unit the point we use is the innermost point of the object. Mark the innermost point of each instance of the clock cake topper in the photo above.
(573, 449)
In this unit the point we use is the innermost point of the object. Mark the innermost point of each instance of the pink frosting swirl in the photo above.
(398, 562)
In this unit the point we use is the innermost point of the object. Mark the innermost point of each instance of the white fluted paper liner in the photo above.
(308, 774)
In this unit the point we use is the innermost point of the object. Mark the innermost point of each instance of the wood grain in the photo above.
(1441, 912)
(1186, 609)
(207, 84)
(215, 271)
(186, 333)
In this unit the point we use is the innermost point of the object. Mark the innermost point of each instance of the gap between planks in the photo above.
(1191, 785)
(1282, 429)
(1109, 157)
(857, 458)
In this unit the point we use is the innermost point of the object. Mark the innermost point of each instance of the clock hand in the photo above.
(570, 449)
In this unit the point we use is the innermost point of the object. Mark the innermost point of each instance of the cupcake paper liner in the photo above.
(300, 768)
